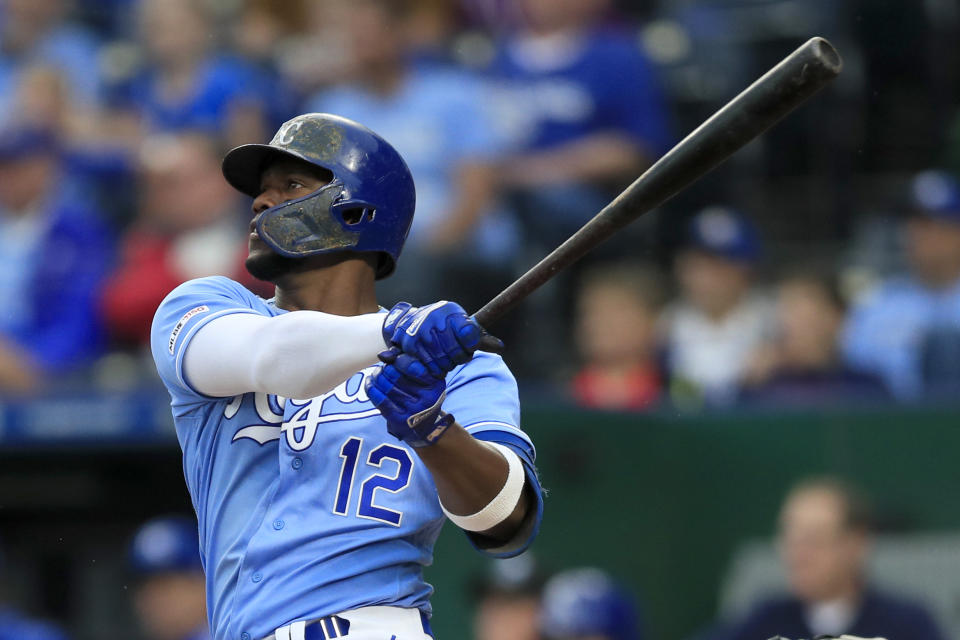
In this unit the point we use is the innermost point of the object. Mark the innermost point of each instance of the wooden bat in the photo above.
(756, 109)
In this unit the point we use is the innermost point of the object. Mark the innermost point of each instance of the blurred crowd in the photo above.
(519, 121)
(824, 538)
(823, 535)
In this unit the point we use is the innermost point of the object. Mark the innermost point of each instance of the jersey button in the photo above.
(278, 524)
(257, 577)
(244, 636)
(297, 463)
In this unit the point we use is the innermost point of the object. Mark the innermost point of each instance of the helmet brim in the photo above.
(243, 165)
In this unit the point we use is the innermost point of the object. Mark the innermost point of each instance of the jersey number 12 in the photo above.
(351, 452)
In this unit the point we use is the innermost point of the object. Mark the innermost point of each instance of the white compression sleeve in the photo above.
(300, 354)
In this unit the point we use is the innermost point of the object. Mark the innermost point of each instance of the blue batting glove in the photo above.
(440, 335)
(409, 397)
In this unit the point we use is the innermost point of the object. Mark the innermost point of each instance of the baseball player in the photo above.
(320, 476)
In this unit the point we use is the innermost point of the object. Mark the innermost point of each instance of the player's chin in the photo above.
(264, 264)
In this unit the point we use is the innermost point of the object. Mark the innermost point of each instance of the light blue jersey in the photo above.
(309, 507)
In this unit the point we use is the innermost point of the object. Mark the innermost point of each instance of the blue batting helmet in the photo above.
(165, 544)
(368, 206)
(587, 602)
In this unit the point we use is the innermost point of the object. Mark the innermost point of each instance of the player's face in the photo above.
(282, 181)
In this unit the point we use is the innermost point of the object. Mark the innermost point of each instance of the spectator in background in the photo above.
(54, 254)
(184, 85)
(170, 592)
(824, 542)
(584, 109)
(618, 310)
(36, 33)
(508, 600)
(189, 225)
(908, 329)
(802, 365)
(719, 320)
(586, 604)
(435, 118)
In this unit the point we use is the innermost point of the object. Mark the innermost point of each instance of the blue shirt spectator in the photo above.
(583, 110)
(218, 85)
(185, 86)
(596, 81)
(42, 38)
(55, 254)
(908, 330)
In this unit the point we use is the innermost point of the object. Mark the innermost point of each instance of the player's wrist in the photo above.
(428, 433)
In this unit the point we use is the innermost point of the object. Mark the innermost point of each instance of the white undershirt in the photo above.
(300, 354)
(830, 618)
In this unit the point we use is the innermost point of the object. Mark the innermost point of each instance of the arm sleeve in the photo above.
(213, 338)
(482, 396)
(296, 355)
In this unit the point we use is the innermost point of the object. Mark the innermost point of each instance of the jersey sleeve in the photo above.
(181, 314)
(482, 396)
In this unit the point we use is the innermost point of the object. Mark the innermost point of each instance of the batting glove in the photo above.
(409, 397)
(440, 335)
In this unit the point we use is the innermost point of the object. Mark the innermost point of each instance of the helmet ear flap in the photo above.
(354, 212)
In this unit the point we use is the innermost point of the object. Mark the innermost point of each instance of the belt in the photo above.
(326, 628)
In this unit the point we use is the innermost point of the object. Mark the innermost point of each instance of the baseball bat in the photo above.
(756, 109)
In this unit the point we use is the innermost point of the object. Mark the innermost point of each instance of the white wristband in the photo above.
(500, 508)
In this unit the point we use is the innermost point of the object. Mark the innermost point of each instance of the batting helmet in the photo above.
(165, 544)
(368, 206)
(587, 602)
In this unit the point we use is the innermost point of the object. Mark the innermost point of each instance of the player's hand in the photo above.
(409, 398)
(440, 335)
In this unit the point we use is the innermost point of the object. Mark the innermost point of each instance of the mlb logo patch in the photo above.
(183, 321)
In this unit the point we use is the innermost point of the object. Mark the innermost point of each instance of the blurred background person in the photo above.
(507, 598)
(437, 119)
(712, 330)
(618, 309)
(802, 366)
(170, 593)
(908, 329)
(183, 83)
(587, 604)
(55, 254)
(824, 545)
(189, 224)
(37, 33)
(584, 111)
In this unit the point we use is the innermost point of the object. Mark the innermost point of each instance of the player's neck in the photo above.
(343, 289)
